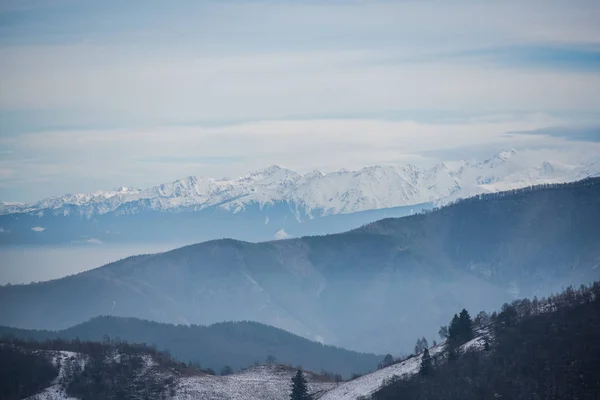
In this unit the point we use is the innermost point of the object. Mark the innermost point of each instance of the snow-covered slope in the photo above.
(317, 194)
(57, 392)
(366, 385)
(265, 382)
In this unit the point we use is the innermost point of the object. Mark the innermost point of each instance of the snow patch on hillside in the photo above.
(366, 385)
(281, 234)
(265, 382)
(56, 390)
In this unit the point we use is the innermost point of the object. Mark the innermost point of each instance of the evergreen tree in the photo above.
(426, 363)
(461, 328)
(466, 326)
(299, 387)
(454, 328)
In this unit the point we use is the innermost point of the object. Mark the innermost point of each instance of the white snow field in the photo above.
(264, 382)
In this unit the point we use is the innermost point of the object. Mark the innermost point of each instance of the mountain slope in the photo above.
(343, 289)
(259, 205)
(122, 371)
(544, 350)
(234, 344)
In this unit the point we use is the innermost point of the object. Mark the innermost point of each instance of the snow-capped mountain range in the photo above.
(318, 194)
(274, 203)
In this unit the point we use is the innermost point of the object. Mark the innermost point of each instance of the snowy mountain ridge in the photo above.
(319, 194)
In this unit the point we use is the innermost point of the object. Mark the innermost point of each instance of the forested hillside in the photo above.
(54, 369)
(58, 369)
(359, 289)
(24, 373)
(534, 350)
(222, 347)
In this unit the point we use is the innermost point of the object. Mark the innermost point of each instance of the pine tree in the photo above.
(466, 326)
(426, 363)
(454, 329)
(299, 387)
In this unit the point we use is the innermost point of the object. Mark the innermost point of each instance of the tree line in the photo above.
(532, 349)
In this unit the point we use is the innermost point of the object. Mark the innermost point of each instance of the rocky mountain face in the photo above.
(272, 203)
(364, 290)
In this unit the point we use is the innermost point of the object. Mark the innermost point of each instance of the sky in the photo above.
(101, 94)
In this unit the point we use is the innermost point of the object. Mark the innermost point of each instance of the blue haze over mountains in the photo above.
(171, 179)
(273, 203)
(364, 289)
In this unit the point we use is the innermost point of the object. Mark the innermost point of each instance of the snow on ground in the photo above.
(476, 344)
(368, 384)
(56, 391)
(265, 382)
(374, 187)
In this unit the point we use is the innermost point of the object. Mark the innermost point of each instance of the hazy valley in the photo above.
(342, 289)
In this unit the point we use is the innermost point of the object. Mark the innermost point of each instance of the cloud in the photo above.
(59, 162)
(38, 229)
(92, 98)
(162, 91)
(580, 58)
(236, 61)
(575, 133)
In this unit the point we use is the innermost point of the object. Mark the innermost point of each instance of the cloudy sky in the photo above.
(99, 94)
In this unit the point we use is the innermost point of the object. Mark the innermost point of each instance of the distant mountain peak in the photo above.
(272, 170)
(506, 154)
(372, 187)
